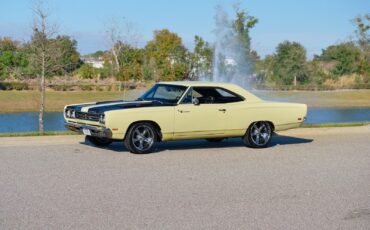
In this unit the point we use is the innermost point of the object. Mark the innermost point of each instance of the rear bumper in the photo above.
(95, 131)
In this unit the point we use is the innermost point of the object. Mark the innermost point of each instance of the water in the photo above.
(337, 115)
(54, 121)
(28, 122)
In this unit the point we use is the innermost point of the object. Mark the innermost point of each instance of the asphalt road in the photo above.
(306, 179)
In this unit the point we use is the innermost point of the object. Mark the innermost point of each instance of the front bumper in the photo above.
(95, 131)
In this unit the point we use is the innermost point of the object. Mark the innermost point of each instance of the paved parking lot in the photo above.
(306, 179)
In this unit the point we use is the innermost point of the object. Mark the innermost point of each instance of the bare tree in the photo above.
(114, 35)
(46, 54)
(362, 24)
(120, 33)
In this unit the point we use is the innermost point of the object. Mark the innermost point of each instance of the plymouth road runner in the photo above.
(184, 110)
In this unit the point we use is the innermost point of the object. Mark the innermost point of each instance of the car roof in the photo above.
(229, 86)
(196, 83)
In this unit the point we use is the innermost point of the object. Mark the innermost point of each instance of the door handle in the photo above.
(222, 110)
(183, 111)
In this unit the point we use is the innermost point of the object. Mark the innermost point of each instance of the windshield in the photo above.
(164, 94)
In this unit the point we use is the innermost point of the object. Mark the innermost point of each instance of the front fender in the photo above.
(120, 120)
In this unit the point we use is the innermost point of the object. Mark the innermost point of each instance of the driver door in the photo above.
(198, 121)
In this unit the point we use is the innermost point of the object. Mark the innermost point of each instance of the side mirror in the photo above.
(195, 101)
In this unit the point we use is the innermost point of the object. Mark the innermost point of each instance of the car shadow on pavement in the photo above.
(228, 143)
(203, 144)
(288, 140)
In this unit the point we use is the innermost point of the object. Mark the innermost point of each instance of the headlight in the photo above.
(102, 119)
(70, 113)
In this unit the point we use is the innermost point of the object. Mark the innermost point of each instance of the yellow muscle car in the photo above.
(184, 110)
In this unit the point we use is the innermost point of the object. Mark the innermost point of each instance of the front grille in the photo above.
(87, 116)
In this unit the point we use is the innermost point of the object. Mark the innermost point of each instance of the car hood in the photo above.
(101, 107)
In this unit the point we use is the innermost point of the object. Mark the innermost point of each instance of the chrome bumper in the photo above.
(95, 131)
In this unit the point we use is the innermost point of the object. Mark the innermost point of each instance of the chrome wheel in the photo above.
(260, 133)
(143, 137)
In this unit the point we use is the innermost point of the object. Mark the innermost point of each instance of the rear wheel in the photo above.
(214, 140)
(258, 135)
(141, 138)
(99, 141)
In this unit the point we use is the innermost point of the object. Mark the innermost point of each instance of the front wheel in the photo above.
(258, 135)
(141, 138)
(99, 141)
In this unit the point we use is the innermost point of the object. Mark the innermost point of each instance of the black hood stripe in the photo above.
(99, 107)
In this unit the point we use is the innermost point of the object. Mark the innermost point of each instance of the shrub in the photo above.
(86, 87)
(87, 71)
(13, 86)
(62, 87)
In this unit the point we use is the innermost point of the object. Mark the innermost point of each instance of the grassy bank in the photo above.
(28, 101)
(337, 98)
(328, 125)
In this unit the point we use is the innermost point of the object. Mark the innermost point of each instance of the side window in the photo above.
(224, 93)
(188, 97)
(211, 95)
(228, 96)
(192, 93)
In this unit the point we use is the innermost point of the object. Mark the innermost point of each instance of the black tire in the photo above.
(258, 135)
(141, 138)
(215, 140)
(99, 141)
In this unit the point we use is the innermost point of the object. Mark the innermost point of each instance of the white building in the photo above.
(94, 62)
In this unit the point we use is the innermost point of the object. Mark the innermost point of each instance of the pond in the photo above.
(28, 122)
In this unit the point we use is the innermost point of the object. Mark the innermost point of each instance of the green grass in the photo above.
(336, 98)
(48, 133)
(345, 124)
(28, 101)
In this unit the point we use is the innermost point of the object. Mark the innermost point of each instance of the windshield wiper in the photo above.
(155, 101)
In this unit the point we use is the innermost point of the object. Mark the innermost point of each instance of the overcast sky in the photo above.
(314, 23)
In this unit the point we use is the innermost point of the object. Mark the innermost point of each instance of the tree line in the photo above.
(48, 54)
(18, 60)
(165, 58)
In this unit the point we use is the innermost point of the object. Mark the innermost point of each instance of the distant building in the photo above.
(94, 62)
